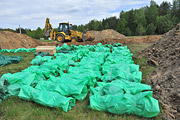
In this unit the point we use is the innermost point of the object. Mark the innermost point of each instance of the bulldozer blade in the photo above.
(88, 37)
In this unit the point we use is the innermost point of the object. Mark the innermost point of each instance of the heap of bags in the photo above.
(107, 71)
(5, 60)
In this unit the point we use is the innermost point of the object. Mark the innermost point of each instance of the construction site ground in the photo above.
(157, 55)
(15, 108)
(10, 40)
(128, 40)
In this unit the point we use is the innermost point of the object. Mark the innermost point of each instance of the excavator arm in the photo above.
(49, 31)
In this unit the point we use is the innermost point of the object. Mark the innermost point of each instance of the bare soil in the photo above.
(11, 40)
(139, 40)
(106, 34)
(165, 53)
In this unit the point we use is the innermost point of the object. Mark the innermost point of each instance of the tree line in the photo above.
(149, 20)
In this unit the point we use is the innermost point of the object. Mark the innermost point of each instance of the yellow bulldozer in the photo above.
(65, 33)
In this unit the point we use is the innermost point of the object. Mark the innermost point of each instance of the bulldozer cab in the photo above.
(65, 27)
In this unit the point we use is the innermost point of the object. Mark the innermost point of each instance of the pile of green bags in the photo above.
(5, 60)
(40, 60)
(18, 50)
(60, 80)
(124, 97)
(42, 54)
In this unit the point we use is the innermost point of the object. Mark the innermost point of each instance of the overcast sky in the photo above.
(32, 13)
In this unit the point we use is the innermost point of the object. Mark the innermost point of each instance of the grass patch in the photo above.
(138, 36)
(133, 36)
(139, 60)
(13, 68)
(47, 40)
(17, 109)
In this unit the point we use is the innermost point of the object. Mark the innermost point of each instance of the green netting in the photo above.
(5, 60)
(123, 97)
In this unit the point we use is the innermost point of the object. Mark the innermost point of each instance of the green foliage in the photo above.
(74, 27)
(128, 32)
(37, 34)
(164, 8)
(55, 29)
(163, 24)
(140, 30)
(23, 31)
(80, 28)
(30, 33)
(8, 29)
(149, 20)
(139, 17)
(121, 27)
(176, 8)
(175, 20)
(151, 12)
(151, 28)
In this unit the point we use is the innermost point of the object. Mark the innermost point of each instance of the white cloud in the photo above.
(160, 1)
(32, 13)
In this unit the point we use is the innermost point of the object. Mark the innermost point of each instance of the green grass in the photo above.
(17, 109)
(138, 36)
(133, 36)
(139, 60)
(47, 40)
(13, 68)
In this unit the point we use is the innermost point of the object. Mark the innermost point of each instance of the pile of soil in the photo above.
(138, 40)
(11, 40)
(166, 80)
(106, 34)
(143, 39)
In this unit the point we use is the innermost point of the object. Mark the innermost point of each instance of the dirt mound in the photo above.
(143, 39)
(11, 40)
(106, 34)
(139, 40)
(166, 80)
(88, 37)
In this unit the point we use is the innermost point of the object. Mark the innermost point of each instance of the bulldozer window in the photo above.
(60, 27)
(65, 28)
(70, 27)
